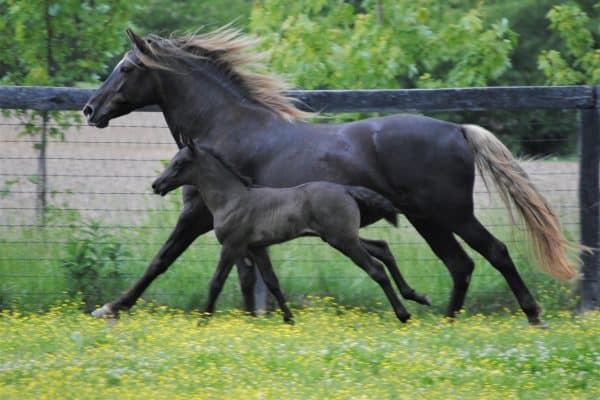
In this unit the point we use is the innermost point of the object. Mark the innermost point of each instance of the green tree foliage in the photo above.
(164, 17)
(578, 62)
(57, 43)
(382, 44)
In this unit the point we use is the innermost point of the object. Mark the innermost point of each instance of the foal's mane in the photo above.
(228, 50)
(246, 180)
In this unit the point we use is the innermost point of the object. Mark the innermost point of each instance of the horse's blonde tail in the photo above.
(549, 247)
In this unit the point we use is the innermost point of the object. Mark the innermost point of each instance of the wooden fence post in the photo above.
(589, 206)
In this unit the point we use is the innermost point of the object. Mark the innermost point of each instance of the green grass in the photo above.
(332, 352)
(33, 277)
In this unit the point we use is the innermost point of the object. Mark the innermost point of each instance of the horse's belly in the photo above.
(345, 167)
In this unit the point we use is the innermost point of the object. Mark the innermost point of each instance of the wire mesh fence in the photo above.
(98, 193)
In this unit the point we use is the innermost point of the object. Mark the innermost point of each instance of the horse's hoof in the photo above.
(289, 320)
(104, 312)
(404, 318)
(424, 299)
(539, 324)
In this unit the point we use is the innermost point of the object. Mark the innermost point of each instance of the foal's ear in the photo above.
(138, 41)
(189, 143)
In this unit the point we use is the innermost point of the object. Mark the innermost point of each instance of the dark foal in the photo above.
(248, 218)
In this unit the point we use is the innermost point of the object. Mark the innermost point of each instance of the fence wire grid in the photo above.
(104, 176)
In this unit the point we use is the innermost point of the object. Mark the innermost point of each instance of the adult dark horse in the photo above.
(425, 166)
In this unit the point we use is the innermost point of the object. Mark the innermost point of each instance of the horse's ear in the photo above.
(138, 41)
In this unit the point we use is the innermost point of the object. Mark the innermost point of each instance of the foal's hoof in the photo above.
(289, 320)
(105, 311)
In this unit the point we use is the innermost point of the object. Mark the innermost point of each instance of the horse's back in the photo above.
(422, 164)
(427, 159)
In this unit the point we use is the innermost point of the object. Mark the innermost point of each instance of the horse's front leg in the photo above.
(228, 257)
(195, 220)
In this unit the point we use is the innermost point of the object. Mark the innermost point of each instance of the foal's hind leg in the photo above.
(380, 250)
(496, 253)
(446, 248)
(356, 252)
(261, 258)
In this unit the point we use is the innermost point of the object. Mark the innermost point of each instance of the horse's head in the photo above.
(129, 86)
(180, 171)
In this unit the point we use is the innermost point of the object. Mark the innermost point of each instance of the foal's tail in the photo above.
(375, 202)
(494, 161)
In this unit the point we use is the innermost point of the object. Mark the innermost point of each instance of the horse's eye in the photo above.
(126, 68)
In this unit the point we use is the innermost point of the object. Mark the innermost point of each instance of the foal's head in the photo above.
(197, 164)
(182, 170)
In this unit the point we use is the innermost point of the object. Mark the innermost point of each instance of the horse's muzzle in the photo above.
(94, 118)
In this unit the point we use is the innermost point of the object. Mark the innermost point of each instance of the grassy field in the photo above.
(331, 352)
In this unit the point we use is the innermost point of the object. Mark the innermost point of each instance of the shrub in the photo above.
(94, 259)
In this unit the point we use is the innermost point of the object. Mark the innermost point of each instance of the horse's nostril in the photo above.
(88, 110)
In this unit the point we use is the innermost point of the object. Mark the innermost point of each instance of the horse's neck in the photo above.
(202, 109)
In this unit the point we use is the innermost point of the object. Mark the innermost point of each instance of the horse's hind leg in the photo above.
(496, 253)
(247, 277)
(380, 250)
(354, 250)
(446, 248)
(261, 258)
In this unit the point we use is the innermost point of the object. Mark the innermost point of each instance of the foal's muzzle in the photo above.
(159, 189)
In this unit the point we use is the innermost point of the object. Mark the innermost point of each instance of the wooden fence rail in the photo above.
(410, 100)
(582, 98)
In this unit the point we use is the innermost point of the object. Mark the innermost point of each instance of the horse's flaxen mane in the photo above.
(228, 49)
